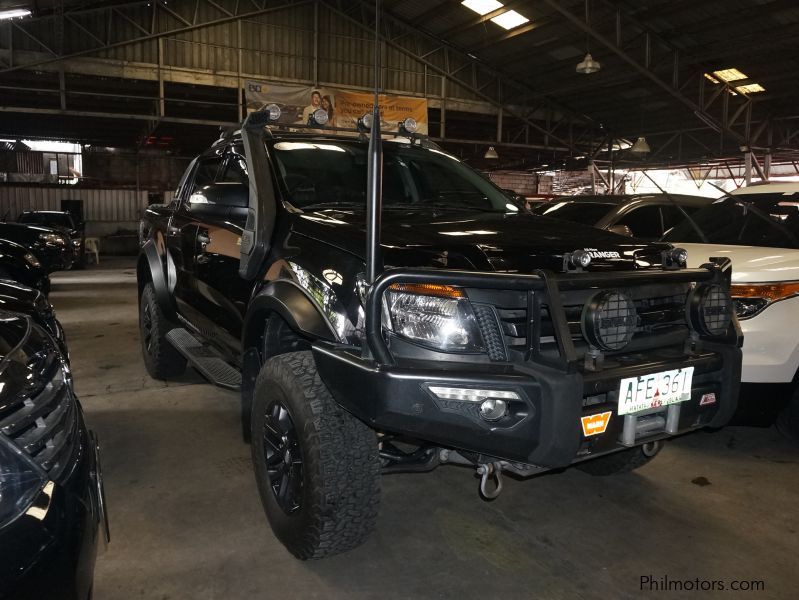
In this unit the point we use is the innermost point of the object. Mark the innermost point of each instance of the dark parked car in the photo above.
(64, 222)
(51, 246)
(644, 216)
(496, 339)
(15, 297)
(51, 497)
(20, 264)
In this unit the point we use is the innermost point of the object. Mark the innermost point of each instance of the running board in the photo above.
(205, 359)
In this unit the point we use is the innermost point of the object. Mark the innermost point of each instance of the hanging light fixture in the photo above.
(491, 153)
(588, 65)
(640, 146)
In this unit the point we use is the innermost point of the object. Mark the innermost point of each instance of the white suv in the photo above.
(758, 228)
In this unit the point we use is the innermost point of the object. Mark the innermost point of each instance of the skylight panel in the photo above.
(729, 75)
(510, 19)
(482, 7)
(752, 88)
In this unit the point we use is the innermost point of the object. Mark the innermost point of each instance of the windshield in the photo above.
(751, 220)
(586, 213)
(50, 219)
(333, 173)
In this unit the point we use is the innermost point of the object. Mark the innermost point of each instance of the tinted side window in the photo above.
(644, 222)
(234, 170)
(204, 174)
(673, 216)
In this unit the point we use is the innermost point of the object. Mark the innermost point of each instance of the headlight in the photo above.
(751, 299)
(53, 239)
(609, 320)
(20, 481)
(32, 260)
(710, 309)
(76, 243)
(439, 316)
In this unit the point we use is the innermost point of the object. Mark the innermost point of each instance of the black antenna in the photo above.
(374, 173)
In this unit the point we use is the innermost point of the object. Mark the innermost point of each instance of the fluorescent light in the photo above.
(729, 75)
(510, 19)
(482, 7)
(14, 13)
(752, 88)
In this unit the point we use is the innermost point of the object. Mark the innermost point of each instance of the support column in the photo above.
(161, 102)
(748, 166)
(239, 92)
(62, 87)
(315, 44)
(443, 133)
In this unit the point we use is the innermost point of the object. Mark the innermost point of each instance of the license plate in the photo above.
(645, 392)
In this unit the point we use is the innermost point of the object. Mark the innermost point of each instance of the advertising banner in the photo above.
(297, 103)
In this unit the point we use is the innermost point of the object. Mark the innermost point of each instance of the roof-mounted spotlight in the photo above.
(318, 118)
(273, 110)
(365, 122)
(408, 126)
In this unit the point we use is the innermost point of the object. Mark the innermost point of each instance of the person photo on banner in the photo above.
(316, 102)
(327, 105)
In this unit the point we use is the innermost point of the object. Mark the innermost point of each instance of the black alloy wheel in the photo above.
(147, 328)
(283, 457)
(160, 358)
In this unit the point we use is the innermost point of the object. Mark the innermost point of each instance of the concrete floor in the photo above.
(186, 521)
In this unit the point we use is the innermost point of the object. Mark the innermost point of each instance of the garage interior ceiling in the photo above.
(130, 74)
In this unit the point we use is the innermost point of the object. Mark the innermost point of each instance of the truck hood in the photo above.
(749, 263)
(477, 241)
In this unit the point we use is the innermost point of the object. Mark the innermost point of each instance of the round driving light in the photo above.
(609, 320)
(319, 117)
(679, 256)
(366, 121)
(493, 409)
(710, 309)
(274, 111)
(580, 258)
(409, 125)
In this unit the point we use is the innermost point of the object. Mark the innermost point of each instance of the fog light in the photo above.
(472, 395)
(493, 409)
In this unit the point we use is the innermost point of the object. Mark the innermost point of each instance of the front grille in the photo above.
(41, 418)
(661, 321)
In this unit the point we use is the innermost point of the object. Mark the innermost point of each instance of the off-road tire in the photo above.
(161, 359)
(788, 419)
(619, 462)
(339, 492)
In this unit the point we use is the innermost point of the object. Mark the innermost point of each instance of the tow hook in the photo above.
(486, 472)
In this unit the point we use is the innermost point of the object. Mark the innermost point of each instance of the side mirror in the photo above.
(621, 230)
(219, 198)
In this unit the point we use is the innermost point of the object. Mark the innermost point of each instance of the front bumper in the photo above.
(544, 428)
(49, 552)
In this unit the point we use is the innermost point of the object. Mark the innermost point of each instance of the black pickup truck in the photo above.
(489, 338)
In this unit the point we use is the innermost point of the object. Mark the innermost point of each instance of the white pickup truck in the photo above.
(758, 228)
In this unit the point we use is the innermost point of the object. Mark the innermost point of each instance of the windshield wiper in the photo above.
(452, 206)
(324, 205)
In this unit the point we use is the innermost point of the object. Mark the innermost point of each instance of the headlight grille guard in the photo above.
(550, 283)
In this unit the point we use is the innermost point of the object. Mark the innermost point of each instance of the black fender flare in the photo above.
(150, 259)
(293, 304)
